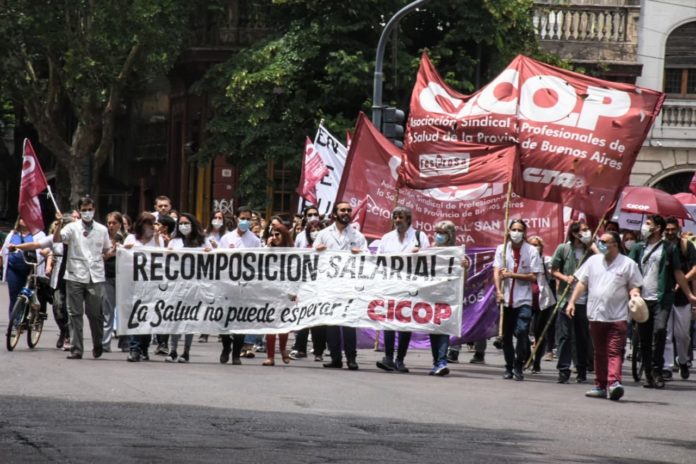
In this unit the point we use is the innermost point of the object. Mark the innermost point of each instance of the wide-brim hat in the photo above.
(638, 309)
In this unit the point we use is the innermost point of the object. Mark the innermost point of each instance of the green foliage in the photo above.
(318, 64)
(73, 59)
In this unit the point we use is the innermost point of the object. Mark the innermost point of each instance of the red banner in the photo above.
(477, 209)
(33, 183)
(313, 170)
(577, 137)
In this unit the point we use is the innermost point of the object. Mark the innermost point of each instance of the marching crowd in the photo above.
(595, 285)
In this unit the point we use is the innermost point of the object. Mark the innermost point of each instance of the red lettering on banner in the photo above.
(421, 312)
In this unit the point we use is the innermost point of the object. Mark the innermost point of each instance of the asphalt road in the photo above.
(107, 410)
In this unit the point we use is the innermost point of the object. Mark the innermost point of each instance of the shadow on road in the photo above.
(37, 430)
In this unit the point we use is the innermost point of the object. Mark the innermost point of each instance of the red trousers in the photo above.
(608, 339)
(270, 344)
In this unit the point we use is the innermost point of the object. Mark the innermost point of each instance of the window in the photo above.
(680, 61)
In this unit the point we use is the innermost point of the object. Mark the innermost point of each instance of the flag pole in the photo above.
(504, 256)
(537, 343)
(53, 199)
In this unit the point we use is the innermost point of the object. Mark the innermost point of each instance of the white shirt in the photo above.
(131, 240)
(177, 243)
(651, 271)
(85, 260)
(301, 240)
(530, 262)
(346, 240)
(390, 242)
(608, 286)
(232, 239)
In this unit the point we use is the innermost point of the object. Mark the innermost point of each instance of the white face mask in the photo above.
(586, 237)
(516, 236)
(216, 223)
(313, 235)
(645, 231)
(185, 229)
(629, 244)
(87, 216)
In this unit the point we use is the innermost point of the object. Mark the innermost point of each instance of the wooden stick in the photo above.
(505, 242)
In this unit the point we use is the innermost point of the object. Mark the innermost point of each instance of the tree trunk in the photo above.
(80, 177)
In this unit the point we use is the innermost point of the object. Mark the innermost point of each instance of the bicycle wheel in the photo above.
(35, 328)
(636, 357)
(17, 322)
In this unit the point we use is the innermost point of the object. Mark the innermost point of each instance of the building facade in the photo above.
(647, 42)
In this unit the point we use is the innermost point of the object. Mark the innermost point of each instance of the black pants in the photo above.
(334, 334)
(60, 311)
(653, 335)
(390, 338)
(516, 323)
(235, 342)
(566, 328)
(318, 340)
(541, 318)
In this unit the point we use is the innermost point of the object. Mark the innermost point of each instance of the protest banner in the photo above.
(263, 291)
(372, 172)
(333, 154)
(577, 136)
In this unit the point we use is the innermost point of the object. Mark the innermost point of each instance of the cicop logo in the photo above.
(639, 207)
(551, 177)
(443, 164)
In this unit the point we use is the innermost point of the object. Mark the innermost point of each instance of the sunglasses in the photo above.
(275, 235)
(346, 210)
(312, 215)
(604, 242)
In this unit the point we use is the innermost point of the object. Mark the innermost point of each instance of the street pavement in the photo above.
(107, 410)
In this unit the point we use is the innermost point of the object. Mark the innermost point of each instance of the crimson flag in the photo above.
(313, 171)
(33, 183)
(692, 184)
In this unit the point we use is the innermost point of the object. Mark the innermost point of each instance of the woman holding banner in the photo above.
(144, 235)
(279, 238)
(190, 235)
(516, 266)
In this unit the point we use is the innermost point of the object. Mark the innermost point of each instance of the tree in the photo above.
(68, 64)
(319, 64)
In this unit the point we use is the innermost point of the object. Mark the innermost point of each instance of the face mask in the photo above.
(516, 236)
(87, 216)
(216, 223)
(629, 244)
(602, 247)
(645, 231)
(243, 225)
(586, 237)
(313, 235)
(148, 233)
(440, 239)
(185, 229)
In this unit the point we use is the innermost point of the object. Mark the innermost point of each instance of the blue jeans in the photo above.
(438, 345)
(516, 322)
(15, 282)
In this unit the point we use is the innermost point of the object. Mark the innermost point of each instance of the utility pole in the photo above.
(377, 106)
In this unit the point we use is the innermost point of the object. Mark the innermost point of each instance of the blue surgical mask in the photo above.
(440, 239)
(602, 247)
(244, 225)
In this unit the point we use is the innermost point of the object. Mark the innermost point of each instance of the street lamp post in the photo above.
(377, 106)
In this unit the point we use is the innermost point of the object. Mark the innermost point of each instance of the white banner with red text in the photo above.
(262, 291)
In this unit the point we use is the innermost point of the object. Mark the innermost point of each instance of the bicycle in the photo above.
(26, 314)
(637, 367)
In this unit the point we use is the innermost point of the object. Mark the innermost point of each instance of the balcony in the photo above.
(676, 125)
(588, 33)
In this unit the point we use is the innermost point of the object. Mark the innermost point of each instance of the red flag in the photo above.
(692, 184)
(577, 136)
(359, 212)
(313, 171)
(33, 183)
